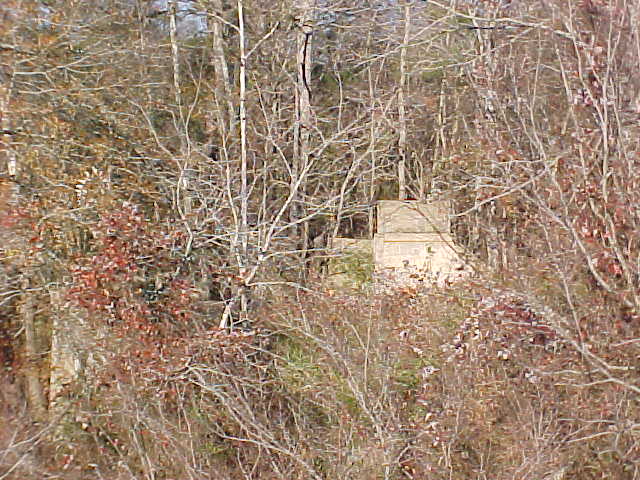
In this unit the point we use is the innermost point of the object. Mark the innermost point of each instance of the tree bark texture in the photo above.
(402, 137)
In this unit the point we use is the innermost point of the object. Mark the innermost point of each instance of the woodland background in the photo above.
(173, 174)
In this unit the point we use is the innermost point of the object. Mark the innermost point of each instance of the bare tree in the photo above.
(402, 139)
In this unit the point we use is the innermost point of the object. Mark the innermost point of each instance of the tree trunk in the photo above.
(244, 190)
(302, 127)
(240, 243)
(221, 69)
(184, 202)
(402, 140)
(33, 386)
(6, 88)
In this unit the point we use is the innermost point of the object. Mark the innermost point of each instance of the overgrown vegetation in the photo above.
(165, 211)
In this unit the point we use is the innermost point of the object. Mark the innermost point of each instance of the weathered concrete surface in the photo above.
(395, 216)
(413, 242)
(429, 252)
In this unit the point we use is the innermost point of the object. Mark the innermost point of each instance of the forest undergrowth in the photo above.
(168, 203)
(468, 381)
